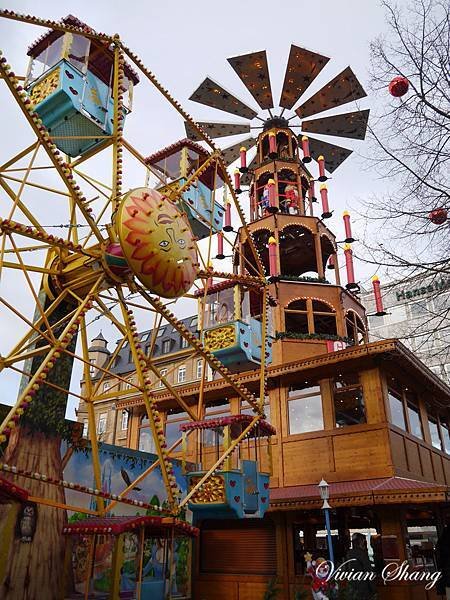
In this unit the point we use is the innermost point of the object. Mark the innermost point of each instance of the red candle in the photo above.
(326, 214)
(305, 148)
(348, 228)
(272, 145)
(378, 299)
(220, 253)
(272, 196)
(237, 181)
(243, 154)
(321, 162)
(351, 284)
(272, 242)
(227, 226)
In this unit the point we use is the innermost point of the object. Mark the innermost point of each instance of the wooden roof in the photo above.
(117, 525)
(386, 490)
(393, 351)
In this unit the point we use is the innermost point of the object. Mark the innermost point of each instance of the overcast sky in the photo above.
(182, 42)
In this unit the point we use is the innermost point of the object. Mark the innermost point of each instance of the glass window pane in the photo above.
(434, 431)
(446, 436)
(146, 442)
(349, 406)
(173, 432)
(396, 406)
(305, 414)
(303, 389)
(414, 421)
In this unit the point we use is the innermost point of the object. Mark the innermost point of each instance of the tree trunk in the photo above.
(35, 570)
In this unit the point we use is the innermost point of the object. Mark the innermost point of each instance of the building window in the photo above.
(128, 384)
(101, 425)
(194, 322)
(146, 441)
(85, 428)
(348, 401)
(434, 432)
(184, 342)
(91, 366)
(415, 424)
(246, 409)
(199, 368)
(172, 427)
(166, 346)
(106, 386)
(181, 376)
(305, 408)
(163, 373)
(214, 437)
(397, 410)
(124, 420)
(310, 316)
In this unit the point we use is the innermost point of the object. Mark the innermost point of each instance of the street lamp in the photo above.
(324, 490)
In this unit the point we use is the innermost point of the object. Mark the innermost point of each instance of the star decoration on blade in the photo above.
(302, 68)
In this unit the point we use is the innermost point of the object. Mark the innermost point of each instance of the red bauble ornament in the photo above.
(398, 86)
(438, 216)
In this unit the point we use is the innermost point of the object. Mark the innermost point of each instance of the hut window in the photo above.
(397, 409)
(166, 346)
(415, 424)
(124, 422)
(434, 432)
(445, 428)
(355, 327)
(296, 315)
(348, 401)
(305, 408)
(101, 425)
(324, 318)
(181, 376)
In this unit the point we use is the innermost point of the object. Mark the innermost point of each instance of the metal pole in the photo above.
(330, 542)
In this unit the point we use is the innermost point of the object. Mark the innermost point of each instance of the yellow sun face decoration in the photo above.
(157, 242)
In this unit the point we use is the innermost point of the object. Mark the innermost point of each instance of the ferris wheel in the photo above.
(85, 240)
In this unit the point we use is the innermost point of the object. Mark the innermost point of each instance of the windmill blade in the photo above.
(231, 153)
(350, 125)
(334, 155)
(302, 68)
(214, 95)
(216, 130)
(253, 71)
(344, 88)
(246, 178)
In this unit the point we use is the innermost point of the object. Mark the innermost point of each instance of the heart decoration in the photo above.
(266, 485)
(232, 483)
(237, 498)
(263, 498)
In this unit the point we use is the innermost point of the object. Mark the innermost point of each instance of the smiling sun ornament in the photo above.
(157, 242)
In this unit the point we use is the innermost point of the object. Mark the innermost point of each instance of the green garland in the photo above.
(302, 278)
(295, 335)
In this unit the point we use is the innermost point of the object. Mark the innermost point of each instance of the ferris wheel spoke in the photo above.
(151, 407)
(38, 304)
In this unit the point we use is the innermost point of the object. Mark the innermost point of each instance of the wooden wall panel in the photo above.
(427, 465)
(252, 590)
(438, 468)
(364, 454)
(446, 463)
(413, 456)
(306, 460)
(216, 590)
(373, 395)
(398, 450)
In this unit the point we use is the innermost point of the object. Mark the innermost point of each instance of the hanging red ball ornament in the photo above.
(398, 86)
(438, 216)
